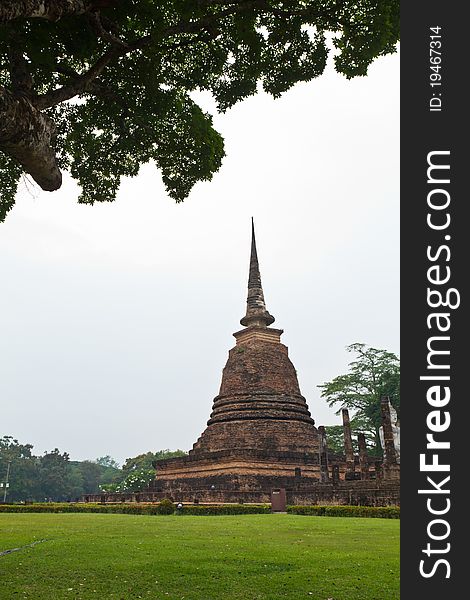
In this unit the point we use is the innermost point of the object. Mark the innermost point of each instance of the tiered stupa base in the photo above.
(229, 476)
(260, 435)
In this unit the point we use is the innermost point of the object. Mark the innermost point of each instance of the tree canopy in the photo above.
(374, 374)
(100, 87)
(137, 472)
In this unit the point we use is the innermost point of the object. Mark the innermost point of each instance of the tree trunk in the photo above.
(52, 10)
(28, 135)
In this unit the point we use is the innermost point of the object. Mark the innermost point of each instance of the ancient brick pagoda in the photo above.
(260, 434)
(261, 437)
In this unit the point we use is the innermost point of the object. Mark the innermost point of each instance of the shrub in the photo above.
(318, 511)
(383, 512)
(226, 509)
(166, 507)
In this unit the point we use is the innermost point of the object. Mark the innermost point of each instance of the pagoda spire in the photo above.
(256, 313)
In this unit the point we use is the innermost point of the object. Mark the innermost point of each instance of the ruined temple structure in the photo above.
(261, 435)
(261, 438)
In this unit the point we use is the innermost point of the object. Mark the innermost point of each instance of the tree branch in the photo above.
(21, 80)
(29, 136)
(52, 10)
(81, 83)
(78, 85)
(98, 27)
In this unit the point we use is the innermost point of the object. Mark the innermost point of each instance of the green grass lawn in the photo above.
(245, 557)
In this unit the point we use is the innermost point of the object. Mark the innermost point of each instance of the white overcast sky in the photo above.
(117, 318)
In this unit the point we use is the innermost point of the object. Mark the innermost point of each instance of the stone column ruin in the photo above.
(391, 469)
(363, 460)
(323, 451)
(348, 446)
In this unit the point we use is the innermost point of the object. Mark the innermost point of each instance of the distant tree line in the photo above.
(53, 476)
